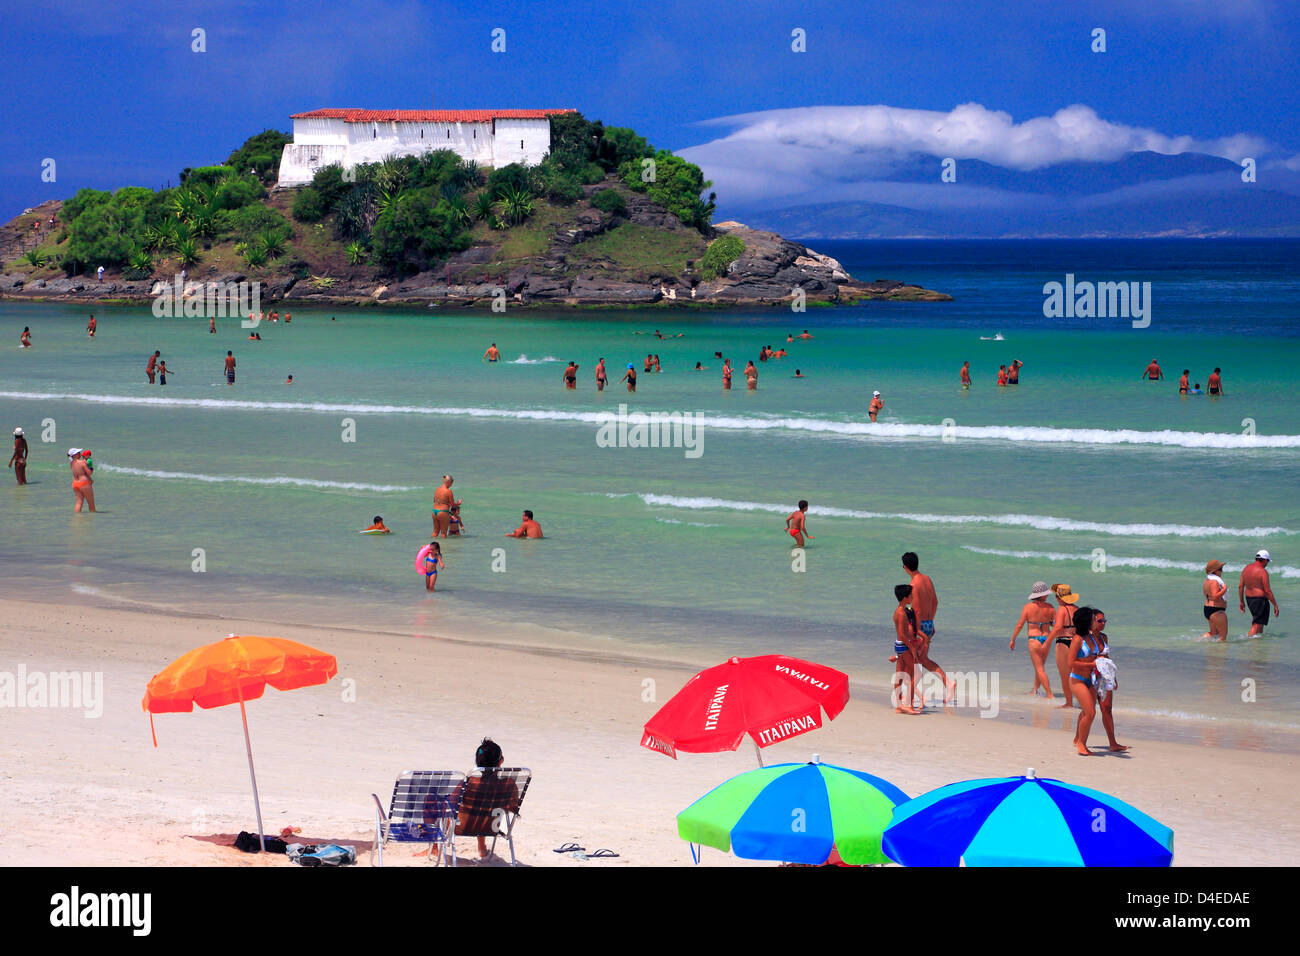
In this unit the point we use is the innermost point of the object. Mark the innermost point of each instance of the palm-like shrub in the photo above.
(460, 210)
(140, 265)
(272, 242)
(187, 250)
(483, 204)
(515, 205)
(37, 257)
(254, 255)
(356, 253)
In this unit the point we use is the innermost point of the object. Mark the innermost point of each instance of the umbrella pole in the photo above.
(248, 746)
(758, 753)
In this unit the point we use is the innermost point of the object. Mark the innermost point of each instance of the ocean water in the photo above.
(1083, 473)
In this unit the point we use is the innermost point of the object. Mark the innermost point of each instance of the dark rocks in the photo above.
(598, 289)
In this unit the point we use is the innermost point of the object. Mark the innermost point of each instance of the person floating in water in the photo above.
(528, 529)
(377, 527)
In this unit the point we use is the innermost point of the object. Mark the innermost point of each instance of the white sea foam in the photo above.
(525, 360)
(1118, 561)
(693, 524)
(1039, 522)
(806, 426)
(249, 480)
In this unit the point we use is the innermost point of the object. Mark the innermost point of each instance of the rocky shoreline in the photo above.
(772, 271)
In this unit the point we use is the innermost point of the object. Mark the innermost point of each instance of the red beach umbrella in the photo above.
(771, 698)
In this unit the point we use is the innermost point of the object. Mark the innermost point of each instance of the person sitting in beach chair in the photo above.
(424, 809)
(493, 795)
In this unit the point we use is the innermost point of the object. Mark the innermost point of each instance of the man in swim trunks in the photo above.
(965, 375)
(212, 325)
(1152, 372)
(442, 502)
(90, 327)
(18, 460)
(876, 405)
(1182, 382)
(528, 529)
(81, 481)
(493, 354)
(601, 377)
(230, 368)
(571, 376)
(1254, 590)
(795, 524)
(1215, 383)
(630, 378)
(726, 375)
(926, 603)
(1013, 372)
(906, 647)
(151, 368)
(806, 334)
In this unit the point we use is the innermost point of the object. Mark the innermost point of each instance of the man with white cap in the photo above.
(18, 460)
(1255, 591)
(81, 481)
(876, 405)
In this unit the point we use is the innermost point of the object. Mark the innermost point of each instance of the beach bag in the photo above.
(326, 854)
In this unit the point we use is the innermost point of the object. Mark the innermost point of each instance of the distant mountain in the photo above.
(1142, 194)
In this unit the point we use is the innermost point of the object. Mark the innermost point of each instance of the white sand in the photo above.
(94, 791)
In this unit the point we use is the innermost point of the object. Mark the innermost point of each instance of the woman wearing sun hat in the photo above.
(1216, 608)
(1040, 617)
(1062, 632)
(18, 460)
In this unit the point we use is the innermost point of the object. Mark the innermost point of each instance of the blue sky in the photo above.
(115, 95)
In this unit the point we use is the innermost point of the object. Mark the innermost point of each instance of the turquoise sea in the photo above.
(1082, 473)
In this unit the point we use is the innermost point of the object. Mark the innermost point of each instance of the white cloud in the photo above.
(793, 152)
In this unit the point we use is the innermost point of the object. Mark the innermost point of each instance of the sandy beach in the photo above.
(424, 701)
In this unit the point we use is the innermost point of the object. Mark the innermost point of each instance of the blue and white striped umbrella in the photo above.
(1024, 821)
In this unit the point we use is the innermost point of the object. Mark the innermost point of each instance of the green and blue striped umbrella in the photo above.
(796, 812)
(1025, 821)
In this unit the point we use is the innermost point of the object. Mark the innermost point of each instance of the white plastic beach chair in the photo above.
(491, 805)
(424, 809)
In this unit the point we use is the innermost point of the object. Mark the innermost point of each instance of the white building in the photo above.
(351, 136)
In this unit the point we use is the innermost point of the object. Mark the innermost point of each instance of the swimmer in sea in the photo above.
(798, 374)
(571, 376)
(790, 337)
(82, 483)
(230, 368)
(630, 378)
(443, 500)
(493, 354)
(876, 405)
(1215, 383)
(433, 562)
(601, 377)
(1002, 376)
(1039, 615)
(1013, 372)
(1152, 372)
(657, 369)
(649, 363)
(528, 529)
(905, 650)
(1182, 382)
(26, 338)
(699, 367)
(806, 334)
(965, 375)
(1196, 389)
(751, 376)
(90, 327)
(18, 460)
(726, 375)
(289, 380)
(378, 526)
(795, 524)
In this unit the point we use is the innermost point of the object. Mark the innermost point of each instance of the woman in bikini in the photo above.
(1039, 616)
(1085, 648)
(1108, 701)
(1062, 632)
(1216, 610)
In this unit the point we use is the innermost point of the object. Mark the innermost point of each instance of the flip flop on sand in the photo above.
(601, 855)
(569, 848)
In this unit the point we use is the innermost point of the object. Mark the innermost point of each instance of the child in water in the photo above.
(433, 560)
(457, 525)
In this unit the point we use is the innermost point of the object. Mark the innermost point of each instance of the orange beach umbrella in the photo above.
(235, 670)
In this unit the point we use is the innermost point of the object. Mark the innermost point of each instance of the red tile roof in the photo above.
(426, 116)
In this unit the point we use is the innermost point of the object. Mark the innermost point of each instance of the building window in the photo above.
(521, 144)
(476, 134)
(374, 133)
(449, 132)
